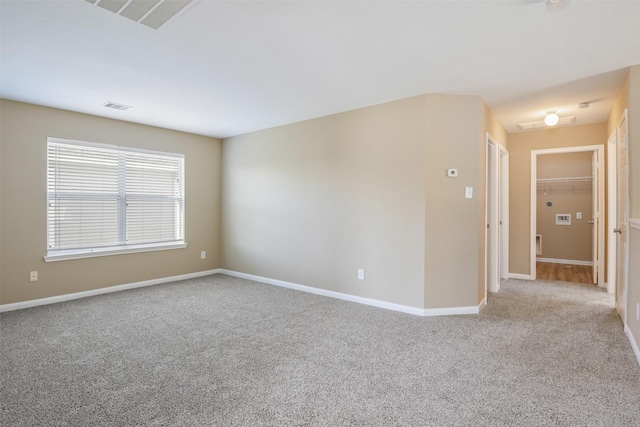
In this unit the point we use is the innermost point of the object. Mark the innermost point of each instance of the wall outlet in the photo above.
(33, 276)
(203, 254)
(361, 274)
(578, 215)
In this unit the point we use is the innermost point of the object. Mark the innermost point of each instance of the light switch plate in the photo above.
(468, 193)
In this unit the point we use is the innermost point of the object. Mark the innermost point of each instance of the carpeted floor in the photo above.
(222, 351)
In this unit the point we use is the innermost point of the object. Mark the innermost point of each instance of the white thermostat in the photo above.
(452, 173)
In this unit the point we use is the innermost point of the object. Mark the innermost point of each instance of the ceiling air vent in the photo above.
(539, 125)
(117, 106)
(151, 13)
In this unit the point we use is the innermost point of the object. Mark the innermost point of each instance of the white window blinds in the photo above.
(102, 197)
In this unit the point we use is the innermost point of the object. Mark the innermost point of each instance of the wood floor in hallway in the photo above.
(582, 274)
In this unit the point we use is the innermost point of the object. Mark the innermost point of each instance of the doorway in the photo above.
(590, 183)
(619, 221)
(496, 215)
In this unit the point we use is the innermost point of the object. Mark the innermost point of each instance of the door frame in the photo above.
(612, 207)
(496, 212)
(504, 213)
(534, 199)
(622, 259)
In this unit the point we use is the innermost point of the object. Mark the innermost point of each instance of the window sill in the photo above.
(92, 253)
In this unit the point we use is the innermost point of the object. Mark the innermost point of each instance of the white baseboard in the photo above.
(117, 288)
(520, 276)
(634, 344)
(564, 261)
(353, 298)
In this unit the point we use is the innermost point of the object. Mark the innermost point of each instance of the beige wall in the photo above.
(520, 147)
(454, 244)
(23, 139)
(308, 203)
(494, 128)
(312, 202)
(573, 242)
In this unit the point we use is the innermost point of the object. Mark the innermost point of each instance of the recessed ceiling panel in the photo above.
(164, 12)
(112, 5)
(137, 9)
(151, 13)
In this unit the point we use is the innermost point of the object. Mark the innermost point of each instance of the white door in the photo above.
(622, 216)
(492, 220)
(496, 215)
(612, 204)
(595, 209)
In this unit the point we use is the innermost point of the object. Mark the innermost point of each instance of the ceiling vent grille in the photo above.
(564, 121)
(151, 13)
(117, 106)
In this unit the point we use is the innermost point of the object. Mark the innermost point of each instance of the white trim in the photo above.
(564, 261)
(504, 212)
(623, 258)
(353, 298)
(449, 311)
(107, 290)
(634, 223)
(521, 276)
(533, 201)
(633, 343)
(612, 217)
(119, 250)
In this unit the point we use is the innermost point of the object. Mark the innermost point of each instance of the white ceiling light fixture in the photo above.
(552, 118)
(562, 121)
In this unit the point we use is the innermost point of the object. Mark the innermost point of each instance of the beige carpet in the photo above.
(222, 351)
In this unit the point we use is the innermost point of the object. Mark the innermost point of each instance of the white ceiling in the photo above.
(227, 68)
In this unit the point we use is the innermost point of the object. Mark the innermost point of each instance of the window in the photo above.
(106, 199)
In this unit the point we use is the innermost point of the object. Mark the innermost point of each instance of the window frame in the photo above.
(122, 247)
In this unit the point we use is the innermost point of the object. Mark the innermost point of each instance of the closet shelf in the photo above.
(567, 179)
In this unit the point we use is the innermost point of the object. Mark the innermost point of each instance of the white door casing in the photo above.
(596, 209)
(504, 213)
(496, 215)
(599, 227)
(622, 215)
(612, 197)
